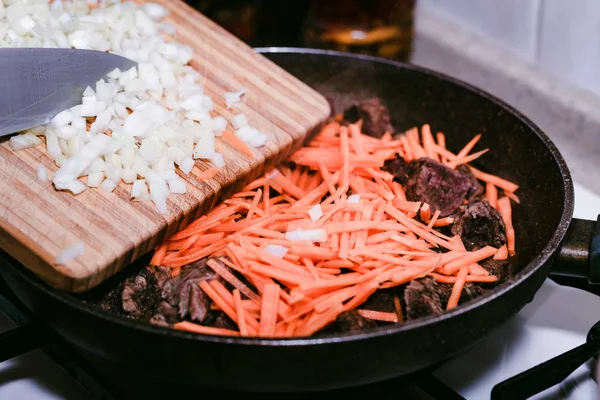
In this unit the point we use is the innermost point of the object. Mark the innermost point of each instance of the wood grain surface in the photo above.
(38, 222)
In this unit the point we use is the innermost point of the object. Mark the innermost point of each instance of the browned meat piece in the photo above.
(168, 312)
(397, 167)
(422, 298)
(224, 322)
(159, 320)
(380, 301)
(479, 225)
(184, 293)
(351, 321)
(476, 190)
(162, 274)
(470, 291)
(499, 268)
(138, 295)
(375, 116)
(439, 186)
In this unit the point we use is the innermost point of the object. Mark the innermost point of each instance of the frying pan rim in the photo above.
(537, 262)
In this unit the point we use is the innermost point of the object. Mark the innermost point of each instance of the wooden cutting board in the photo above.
(38, 222)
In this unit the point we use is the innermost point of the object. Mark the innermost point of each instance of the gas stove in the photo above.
(556, 321)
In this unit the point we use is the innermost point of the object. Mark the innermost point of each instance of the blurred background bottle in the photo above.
(381, 28)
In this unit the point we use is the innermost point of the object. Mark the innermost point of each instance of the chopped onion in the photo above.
(177, 186)
(218, 160)
(251, 136)
(129, 176)
(95, 179)
(136, 188)
(186, 165)
(70, 253)
(62, 118)
(42, 174)
(23, 141)
(276, 250)
(353, 199)
(150, 110)
(232, 99)
(75, 186)
(308, 235)
(219, 124)
(205, 145)
(155, 11)
(239, 121)
(315, 213)
(108, 185)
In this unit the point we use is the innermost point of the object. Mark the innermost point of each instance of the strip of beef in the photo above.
(140, 294)
(479, 225)
(398, 168)
(375, 116)
(425, 296)
(469, 292)
(476, 189)
(224, 322)
(434, 183)
(498, 268)
(183, 292)
(352, 321)
(380, 301)
(422, 298)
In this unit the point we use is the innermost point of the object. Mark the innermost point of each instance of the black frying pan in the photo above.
(519, 152)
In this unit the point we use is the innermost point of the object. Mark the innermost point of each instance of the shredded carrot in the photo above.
(238, 143)
(378, 315)
(443, 221)
(476, 269)
(254, 204)
(206, 330)
(380, 242)
(457, 288)
(505, 211)
(434, 219)
(468, 259)
(491, 194)
(499, 182)
(441, 142)
(467, 159)
(214, 296)
(159, 255)
(468, 147)
(425, 213)
(513, 197)
(241, 312)
(230, 278)
(268, 311)
(398, 308)
(502, 253)
(428, 142)
(470, 278)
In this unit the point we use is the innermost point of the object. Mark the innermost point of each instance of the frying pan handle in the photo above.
(579, 255)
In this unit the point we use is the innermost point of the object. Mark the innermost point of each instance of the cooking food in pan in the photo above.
(362, 227)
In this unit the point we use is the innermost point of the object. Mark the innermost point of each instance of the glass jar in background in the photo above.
(382, 28)
(240, 17)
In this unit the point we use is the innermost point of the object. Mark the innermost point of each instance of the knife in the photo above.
(38, 83)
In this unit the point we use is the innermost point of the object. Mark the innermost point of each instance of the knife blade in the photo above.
(38, 83)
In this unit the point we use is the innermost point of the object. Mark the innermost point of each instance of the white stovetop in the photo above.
(557, 320)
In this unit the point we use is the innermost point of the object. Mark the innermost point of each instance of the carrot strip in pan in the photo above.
(505, 211)
(274, 287)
